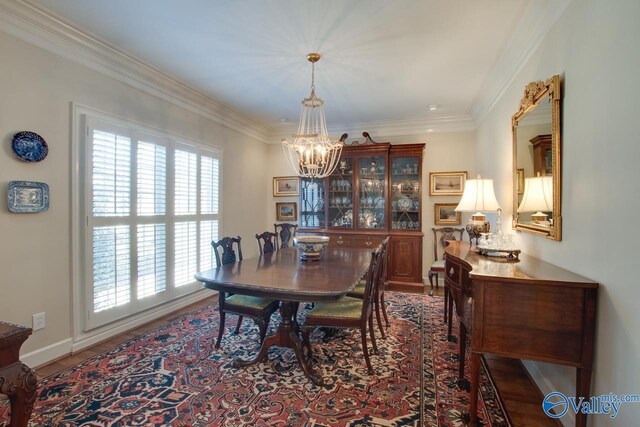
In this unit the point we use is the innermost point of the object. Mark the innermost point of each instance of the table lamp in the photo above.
(538, 198)
(478, 196)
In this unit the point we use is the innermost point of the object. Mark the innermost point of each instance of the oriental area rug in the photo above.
(173, 376)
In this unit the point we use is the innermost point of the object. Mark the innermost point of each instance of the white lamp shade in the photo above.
(478, 196)
(538, 195)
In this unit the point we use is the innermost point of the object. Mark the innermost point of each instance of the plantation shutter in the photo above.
(140, 252)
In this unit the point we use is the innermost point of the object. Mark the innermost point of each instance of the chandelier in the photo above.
(312, 153)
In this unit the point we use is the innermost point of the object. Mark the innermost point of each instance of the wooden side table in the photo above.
(17, 380)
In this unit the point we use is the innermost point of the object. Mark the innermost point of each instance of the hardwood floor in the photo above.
(519, 393)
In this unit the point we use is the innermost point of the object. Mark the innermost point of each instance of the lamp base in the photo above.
(475, 228)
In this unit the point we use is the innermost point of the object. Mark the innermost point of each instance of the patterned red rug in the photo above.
(173, 376)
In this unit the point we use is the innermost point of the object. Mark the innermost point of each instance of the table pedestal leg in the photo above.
(286, 336)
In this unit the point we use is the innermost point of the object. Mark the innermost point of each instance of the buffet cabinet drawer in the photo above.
(351, 240)
(453, 272)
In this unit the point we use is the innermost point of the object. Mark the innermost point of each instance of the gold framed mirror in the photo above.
(537, 173)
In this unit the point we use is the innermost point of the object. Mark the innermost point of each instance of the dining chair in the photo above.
(287, 232)
(378, 295)
(258, 308)
(348, 312)
(440, 238)
(267, 242)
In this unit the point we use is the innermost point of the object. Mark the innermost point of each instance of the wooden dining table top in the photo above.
(282, 275)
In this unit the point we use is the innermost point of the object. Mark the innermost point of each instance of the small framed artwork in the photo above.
(284, 186)
(446, 215)
(520, 177)
(286, 211)
(447, 183)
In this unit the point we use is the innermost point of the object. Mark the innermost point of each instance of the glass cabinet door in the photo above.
(312, 203)
(405, 189)
(340, 198)
(371, 195)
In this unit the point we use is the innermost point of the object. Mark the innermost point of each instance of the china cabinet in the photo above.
(374, 192)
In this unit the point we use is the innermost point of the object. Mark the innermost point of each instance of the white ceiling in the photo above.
(382, 60)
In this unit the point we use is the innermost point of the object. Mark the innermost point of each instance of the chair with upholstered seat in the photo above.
(267, 242)
(286, 233)
(258, 308)
(378, 294)
(440, 237)
(349, 312)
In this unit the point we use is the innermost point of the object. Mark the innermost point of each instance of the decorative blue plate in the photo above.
(29, 146)
(28, 196)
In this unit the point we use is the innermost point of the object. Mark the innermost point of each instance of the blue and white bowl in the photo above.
(310, 247)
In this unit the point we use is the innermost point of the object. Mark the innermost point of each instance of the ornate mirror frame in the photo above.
(534, 94)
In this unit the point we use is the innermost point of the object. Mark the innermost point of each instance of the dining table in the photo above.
(283, 276)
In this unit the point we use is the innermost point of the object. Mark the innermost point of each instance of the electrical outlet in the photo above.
(38, 321)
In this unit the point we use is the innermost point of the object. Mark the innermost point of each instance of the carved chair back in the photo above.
(229, 254)
(287, 231)
(267, 242)
(440, 237)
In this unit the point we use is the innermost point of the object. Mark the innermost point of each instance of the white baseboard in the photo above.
(47, 354)
(68, 346)
(88, 339)
(546, 387)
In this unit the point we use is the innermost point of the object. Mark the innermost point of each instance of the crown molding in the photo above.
(35, 25)
(382, 129)
(534, 25)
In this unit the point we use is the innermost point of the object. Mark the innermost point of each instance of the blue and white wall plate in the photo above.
(29, 146)
(28, 196)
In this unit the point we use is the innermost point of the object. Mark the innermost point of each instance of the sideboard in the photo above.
(527, 310)
(17, 380)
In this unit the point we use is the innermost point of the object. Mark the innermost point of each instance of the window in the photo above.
(152, 210)
(312, 203)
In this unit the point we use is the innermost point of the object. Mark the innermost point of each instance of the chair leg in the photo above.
(363, 336)
(372, 334)
(221, 299)
(378, 318)
(220, 328)
(237, 331)
(384, 310)
(431, 274)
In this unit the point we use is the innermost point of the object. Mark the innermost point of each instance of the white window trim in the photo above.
(81, 301)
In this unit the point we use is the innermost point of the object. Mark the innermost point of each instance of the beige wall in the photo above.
(443, 152)
(37, 90)
(594, 48)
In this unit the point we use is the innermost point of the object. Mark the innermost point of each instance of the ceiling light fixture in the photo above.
(312, 153)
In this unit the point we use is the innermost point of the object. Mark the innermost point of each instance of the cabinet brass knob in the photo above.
(339, 242)
(368, 243)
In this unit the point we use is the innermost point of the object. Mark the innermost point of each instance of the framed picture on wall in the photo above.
(447, 183)
(286, 211)
(285, 186)
(446, 215)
